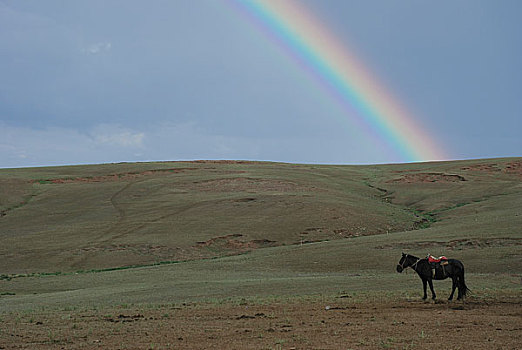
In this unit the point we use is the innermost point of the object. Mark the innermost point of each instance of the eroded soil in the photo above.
(514, 167)
(127, 176)
(337, 323)
(427, 177)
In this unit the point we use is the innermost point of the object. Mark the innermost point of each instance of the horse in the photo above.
(453, 269)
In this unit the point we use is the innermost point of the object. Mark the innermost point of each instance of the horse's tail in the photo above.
(463, 289)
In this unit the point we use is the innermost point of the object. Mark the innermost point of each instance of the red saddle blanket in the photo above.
(433, 259)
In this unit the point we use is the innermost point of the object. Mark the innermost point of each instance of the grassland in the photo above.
(216, 232)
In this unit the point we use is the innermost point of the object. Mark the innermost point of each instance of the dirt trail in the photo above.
(108, 234)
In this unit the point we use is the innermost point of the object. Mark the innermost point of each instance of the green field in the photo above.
(173, 232)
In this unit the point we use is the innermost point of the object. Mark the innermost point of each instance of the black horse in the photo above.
(453, 269)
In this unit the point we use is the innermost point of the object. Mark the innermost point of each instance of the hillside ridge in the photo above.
(108, 216)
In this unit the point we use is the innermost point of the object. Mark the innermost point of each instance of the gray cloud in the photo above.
(97, 48)
(115, 135)
(107, 143)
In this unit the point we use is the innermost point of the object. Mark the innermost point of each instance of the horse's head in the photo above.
(403, 263)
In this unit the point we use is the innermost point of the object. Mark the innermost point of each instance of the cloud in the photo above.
(108, 143)
(114, 135)
(97, 48)
(22, 146)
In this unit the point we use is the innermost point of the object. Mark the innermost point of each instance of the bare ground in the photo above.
(334, 323)
(427, 177)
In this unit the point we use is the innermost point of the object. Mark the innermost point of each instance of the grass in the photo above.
(134, 240)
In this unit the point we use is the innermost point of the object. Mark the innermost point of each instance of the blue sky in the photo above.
(109, 81)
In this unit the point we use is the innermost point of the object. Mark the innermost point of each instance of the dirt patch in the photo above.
(113, 177)
(318, 234)
(235, 242)
(247, 184)
(308, 324)
(124, 318)
(159, 251)
(489, 168)
(456, 244)
(514, 168)
(427, 177)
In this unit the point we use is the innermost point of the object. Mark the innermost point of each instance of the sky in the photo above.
(103, 81)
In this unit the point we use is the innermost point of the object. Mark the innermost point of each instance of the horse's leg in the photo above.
(453, 286)
(433, 296)
(424, 284)
(459, 285)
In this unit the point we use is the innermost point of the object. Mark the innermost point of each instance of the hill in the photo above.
(272, 220)
(64, 219)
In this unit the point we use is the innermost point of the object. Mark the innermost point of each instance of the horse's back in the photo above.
(456, 264)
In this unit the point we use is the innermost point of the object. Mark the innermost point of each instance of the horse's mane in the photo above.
(412, 256)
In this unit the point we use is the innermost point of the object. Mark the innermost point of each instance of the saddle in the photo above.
(437, 266)
(441, 259)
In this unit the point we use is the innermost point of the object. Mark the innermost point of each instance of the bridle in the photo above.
(413, 266)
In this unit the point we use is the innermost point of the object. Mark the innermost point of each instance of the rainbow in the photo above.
(342, 75)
